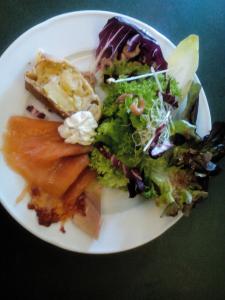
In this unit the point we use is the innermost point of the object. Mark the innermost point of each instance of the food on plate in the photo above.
(35, 112)
(120, 40)
(183, 62)
(78, 187)
(87, 191)
(79, 128)
(25, 154)
(34, 149)
(144, 144)
(90, 77)
(90, 220)
(38, 140)
(140, 139)
(84, 208)
(60, 86)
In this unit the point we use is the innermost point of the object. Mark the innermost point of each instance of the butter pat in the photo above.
(79, 128)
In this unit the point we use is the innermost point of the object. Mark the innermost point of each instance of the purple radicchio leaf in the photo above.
(156, 149)
(135, 187)
(158, 132)
(122, 40)
(136, 183)
(168, 98)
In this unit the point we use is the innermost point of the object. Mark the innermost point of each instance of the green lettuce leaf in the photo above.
(107, 174)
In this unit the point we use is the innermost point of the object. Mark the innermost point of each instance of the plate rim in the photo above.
(7, 52)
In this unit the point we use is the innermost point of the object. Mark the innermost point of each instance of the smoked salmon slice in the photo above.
(63, 173)
(78, 187)
(60, 183)
(86, 209)
(53, 175)
(39, 140)
(90, 220)
(83, 198)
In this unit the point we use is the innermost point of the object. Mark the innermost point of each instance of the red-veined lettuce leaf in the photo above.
(136, 183)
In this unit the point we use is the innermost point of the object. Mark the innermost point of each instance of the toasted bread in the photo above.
(61, 87)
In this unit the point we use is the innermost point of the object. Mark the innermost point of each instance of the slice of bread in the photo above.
(61, 87)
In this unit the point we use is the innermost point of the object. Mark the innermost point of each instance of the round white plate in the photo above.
(126, 223)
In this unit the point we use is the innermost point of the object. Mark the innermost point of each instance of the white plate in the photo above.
(126, 223)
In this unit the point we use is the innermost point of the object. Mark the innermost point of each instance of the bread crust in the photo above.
(38, 94)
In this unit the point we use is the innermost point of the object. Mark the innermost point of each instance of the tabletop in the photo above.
(187, 261)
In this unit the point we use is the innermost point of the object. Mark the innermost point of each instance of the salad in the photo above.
(142, 138)
(144, 143)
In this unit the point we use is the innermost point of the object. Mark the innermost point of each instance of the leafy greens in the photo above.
(141, 145)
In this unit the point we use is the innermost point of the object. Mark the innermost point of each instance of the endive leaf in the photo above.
(183, 63)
